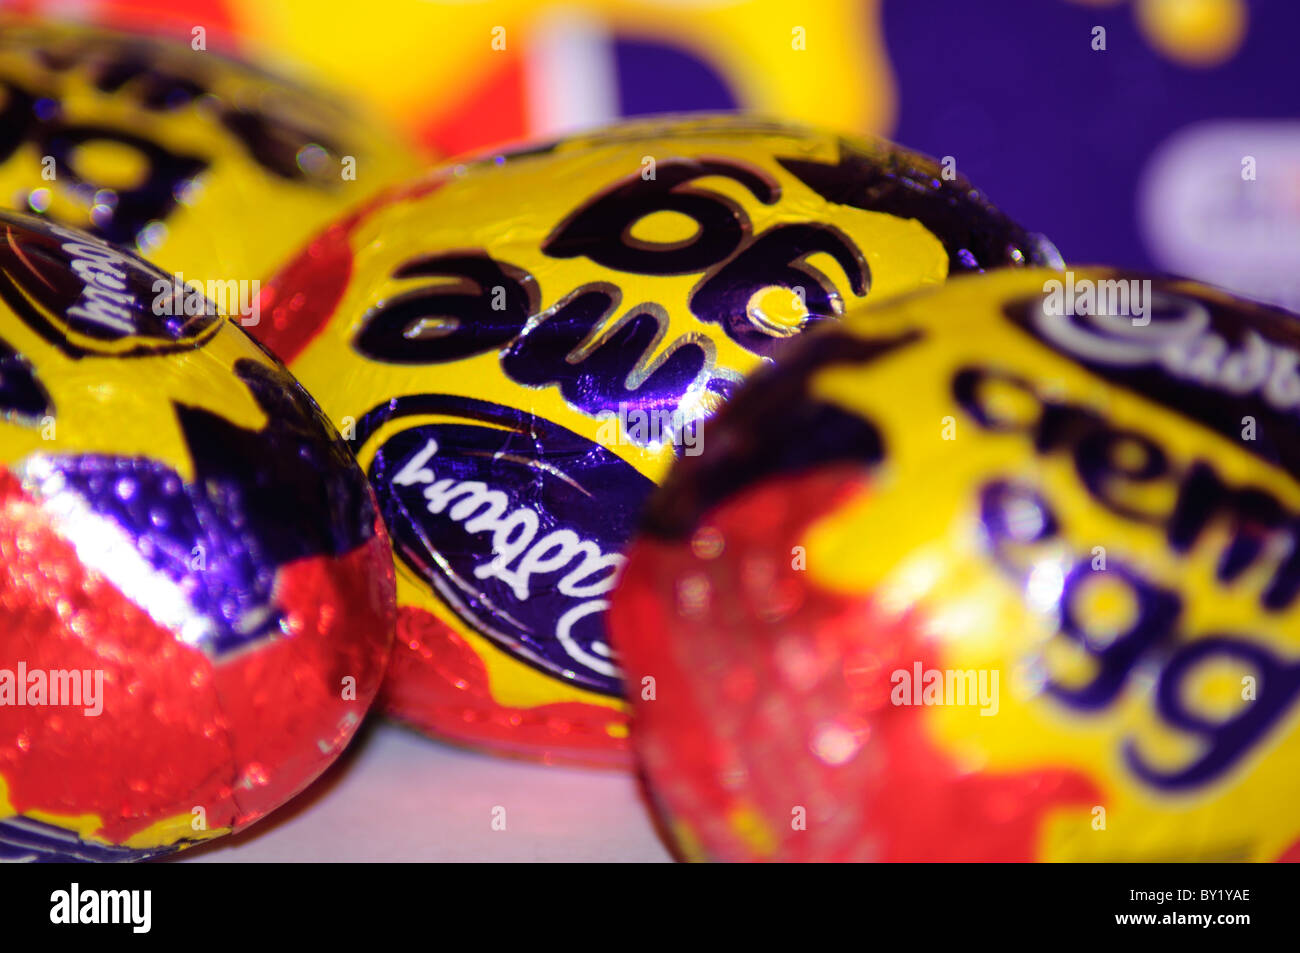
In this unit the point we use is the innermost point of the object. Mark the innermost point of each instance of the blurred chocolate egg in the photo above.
(1005, 571)
(202, 164)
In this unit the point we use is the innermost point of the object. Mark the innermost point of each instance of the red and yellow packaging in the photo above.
(1002, 572)
(520, 345)
(196, 592)
(205, 165)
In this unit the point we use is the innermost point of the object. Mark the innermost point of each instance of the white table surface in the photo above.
(397, 796)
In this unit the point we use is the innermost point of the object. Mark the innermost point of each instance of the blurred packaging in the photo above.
(1134, 154)
(460, 74)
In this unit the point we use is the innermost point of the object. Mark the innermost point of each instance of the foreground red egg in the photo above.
(1007, 571)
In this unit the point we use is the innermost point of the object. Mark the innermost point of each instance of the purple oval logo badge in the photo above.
(519, 525)
(87, 297)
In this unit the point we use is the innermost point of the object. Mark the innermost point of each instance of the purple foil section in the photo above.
(193, 534)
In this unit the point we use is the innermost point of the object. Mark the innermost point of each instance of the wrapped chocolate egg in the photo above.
(517, 347)
(196, 590)
(204, 165)
(1006, 571)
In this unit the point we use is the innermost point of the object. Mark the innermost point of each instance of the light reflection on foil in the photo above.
(107, 549)
(1045, 585)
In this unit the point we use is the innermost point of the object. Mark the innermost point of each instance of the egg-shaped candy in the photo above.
(205, 165)
(1006, 571)
(196, 590)
(518, 346)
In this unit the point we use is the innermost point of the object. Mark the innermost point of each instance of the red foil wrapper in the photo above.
(196, 590)
(1001, 572)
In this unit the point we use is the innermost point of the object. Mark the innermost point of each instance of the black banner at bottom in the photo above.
(336, 903)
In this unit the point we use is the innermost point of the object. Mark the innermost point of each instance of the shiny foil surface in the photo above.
(201, 163)
(518, 346)
(196, 588)
(1005, 571)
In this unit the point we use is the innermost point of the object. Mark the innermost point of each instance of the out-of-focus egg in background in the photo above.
(210, 167)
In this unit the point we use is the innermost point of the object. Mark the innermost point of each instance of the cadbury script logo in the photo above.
(519, 526)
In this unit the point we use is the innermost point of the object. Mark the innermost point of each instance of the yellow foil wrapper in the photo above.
(519, 346)
(1005, 572)
(209, 167)
(196, 592)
